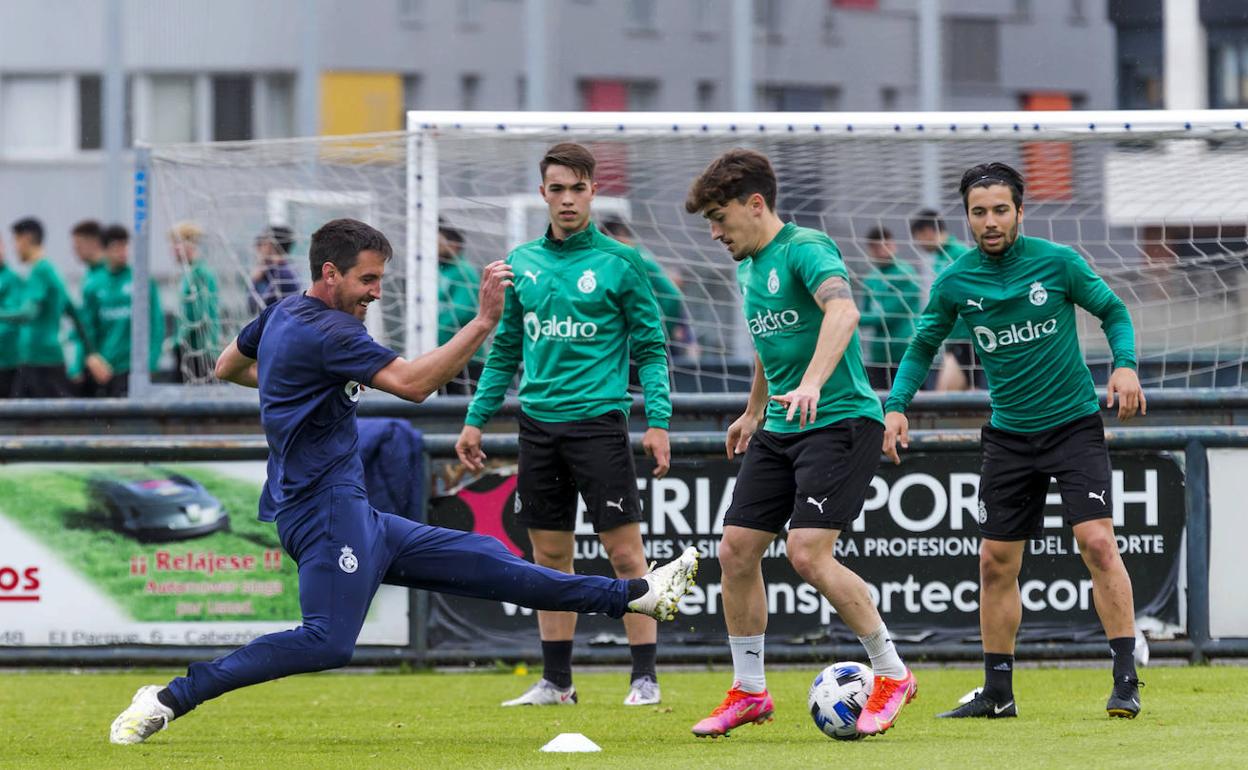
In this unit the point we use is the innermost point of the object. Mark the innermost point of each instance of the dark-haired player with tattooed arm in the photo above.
(1017, 295)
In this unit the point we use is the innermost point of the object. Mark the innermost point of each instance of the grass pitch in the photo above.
(1192, 716)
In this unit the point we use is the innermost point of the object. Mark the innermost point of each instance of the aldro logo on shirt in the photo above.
(566, 329)
(765, 324)
(990, 340)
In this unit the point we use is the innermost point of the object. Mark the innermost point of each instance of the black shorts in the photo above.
(42, 382)
(814, 479)
(559, 459)
(1017, 467)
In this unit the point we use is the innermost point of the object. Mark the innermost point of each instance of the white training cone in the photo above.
(569, 742)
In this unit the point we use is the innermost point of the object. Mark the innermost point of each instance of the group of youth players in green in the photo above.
(574, 306)
(813, 429)
(34, 305)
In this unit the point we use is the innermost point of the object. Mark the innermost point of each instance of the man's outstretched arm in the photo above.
(418, 378)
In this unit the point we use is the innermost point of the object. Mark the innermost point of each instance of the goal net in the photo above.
(1156, 202)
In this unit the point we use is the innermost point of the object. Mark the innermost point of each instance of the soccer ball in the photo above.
(836, 699)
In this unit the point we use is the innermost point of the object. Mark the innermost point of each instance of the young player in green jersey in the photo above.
(1017, 295)
(580, 307)
(807, 434)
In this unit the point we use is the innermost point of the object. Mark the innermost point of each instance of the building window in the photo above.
(413, 86)
(706, 18)
(468, 14)
(975, 47)
(522, 92)
(706, 99)
(767, 16)
(1140, 81)
(791, 98)
(641, 15)
(469, 91)
(275, 106)
(36, 115)
(411, 12)
(619, 95)
(90, 112)
(888, 98)
(170, 112)
(1228, 75)
(1078, 13)
(232, 108)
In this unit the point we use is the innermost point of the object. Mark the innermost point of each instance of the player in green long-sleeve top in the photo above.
(681, 341)
(107, 310)
(458, 285)
(44, 303)
(197, 335)
(1017, 295)
(580, 307)
(11, 287)
(892, 301)
(957, 365)
(87, 238)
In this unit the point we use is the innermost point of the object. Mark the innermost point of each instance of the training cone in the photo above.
(571, 742)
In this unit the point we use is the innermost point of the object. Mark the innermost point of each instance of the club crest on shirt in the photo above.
(773, 282)
(347, 561)
(983, 513)
(587, 282)
(352, 391)
(1039, 295)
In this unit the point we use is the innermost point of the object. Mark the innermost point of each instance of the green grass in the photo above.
(52, 505)
(1192, 716)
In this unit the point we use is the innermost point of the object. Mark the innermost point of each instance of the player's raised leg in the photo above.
(338, 576)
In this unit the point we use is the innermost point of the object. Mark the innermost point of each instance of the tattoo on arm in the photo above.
(833, 288)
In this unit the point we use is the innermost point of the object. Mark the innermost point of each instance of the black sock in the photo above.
(637, 588)
(999, 677)
(557, 663)
(643, 661)
(168, 701)
(1123, 651)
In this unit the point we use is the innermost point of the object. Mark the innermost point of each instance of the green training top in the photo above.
(79, 355)
(579, 308)
(38, 317)
(892, 302)
(778, 285)
(458, 286)
(106, 313)
(671, 300)
(199, 327)
(11, 288)
(1020, 308)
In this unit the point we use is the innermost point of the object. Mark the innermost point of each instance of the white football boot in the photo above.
(143, 718)
(667, 585)
(545, 694)
(644, 691)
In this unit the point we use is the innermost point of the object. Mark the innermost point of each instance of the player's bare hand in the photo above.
(659, 446)
(468, 447)
(802, 401)
(495, 280)
(896, 432)
(739, 434)
(99, 369)
(1125, 384)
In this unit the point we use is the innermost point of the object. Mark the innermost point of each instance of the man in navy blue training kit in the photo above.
(310, 356)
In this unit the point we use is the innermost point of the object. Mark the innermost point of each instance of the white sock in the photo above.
(747, 662)
(884, 658)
